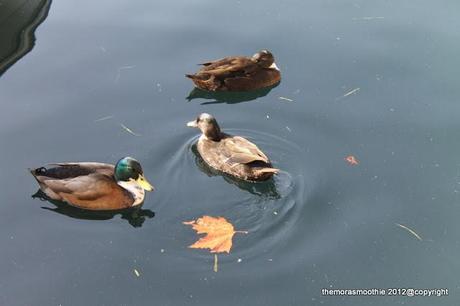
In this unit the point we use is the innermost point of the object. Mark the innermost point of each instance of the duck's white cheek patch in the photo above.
(273, 66)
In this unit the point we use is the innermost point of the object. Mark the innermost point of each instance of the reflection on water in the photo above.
(229, 97)
(135, 216)
(266, 189)
(18, 22)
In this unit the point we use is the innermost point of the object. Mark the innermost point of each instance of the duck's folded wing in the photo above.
(220, 62)
(82, 188)
(243, 151)
(84, 167)
(243, 158)
(238, 65)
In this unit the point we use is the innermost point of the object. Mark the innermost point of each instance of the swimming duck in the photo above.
(238, 73)
(233, 155)
(95, 186)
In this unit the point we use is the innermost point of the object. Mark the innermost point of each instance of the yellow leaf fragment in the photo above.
(410, 231)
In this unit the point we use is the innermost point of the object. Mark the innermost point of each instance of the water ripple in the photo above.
(268, 210)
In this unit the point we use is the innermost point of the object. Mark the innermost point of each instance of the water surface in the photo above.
(321, 223)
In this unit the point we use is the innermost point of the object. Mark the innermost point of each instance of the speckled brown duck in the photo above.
(95, 186)
(233, 155)
(238, 73)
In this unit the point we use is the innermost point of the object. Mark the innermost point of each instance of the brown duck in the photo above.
(233, 155)
(94, 186)
(238, 73)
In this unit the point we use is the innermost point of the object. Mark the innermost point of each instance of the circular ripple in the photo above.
(267, 210)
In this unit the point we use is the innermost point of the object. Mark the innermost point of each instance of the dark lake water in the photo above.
(323, 223)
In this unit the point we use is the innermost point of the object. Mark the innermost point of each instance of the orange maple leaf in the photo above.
(219, 234)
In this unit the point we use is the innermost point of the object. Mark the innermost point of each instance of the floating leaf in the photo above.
(410, 231)
(103, 118)
(219, 233)
(351, 92)
(352, 160)
(127, 129)
(117, 77)
(286, 99)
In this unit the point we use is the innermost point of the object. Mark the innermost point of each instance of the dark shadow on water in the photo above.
(135, 216)
(18, 22)
(228, 97)
(266, 189)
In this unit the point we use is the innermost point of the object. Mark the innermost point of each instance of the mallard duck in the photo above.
(233, 155)
(94, 186)
(238, 73)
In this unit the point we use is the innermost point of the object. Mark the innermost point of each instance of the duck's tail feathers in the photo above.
(37, 171)
(269, 170)
(190, 76)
